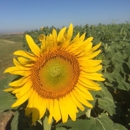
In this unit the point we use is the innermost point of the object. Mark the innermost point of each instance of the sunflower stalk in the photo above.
(88, 113)
(46, 125)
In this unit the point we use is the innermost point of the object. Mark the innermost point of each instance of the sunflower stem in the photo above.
(46, 125)
(88, 113)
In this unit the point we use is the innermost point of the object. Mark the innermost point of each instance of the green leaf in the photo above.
(14, 123)
(126, 85)
(21, 122)
(108, 76)
(103, 122)
(4, 83)
(118, 58)
(6, 100)
(105, 101)
(61, 128)
(119, 127)
(81, 113)
(79, 124)
(108, 84)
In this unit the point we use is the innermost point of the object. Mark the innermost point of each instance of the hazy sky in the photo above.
(21, 15)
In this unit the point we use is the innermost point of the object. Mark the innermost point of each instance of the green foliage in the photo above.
(102, 122)
(112, 106)
(21, 122)
(105, 101)
(6, 99)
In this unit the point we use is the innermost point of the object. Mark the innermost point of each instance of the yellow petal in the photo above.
(77, 103)
(8, 89)
(50, 119)
(42, 109)
(94, 54)
(51, 110)
(11, 69)
(64, 113)
(43, 45)
(19, 82)
(93, 76)
(25, 54)
(35, 108)
(57, 114)
(28, 111)
(85, 45)
(16, 90)
(22, 99)
(54, 34)
(74, 40)
(87, 96)
(84, 61)
(82, 100)
(96, 47)
(71, 107)
(35, 115)
(88, 84)
(24, 89)
(82, 37)
(60, 37)
(88, 40)
(31, 99)
(18, 65)
(88, 47)
(34, 48)
(88, 81)
(25, 62)
(77, 44)
(69, 34)
(29, 107)
(91, 69)
(21, 72)
(83, 89)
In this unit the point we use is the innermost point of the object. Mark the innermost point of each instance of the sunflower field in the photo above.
(110, 100)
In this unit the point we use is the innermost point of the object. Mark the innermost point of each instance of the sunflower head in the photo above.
(57, 76)
(41, 37)
(41, 28)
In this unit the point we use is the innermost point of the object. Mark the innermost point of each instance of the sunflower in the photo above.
(57, 76)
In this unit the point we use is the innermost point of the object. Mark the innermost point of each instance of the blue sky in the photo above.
(22, 15)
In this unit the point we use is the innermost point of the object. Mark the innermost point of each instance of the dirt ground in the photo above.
(5, 119)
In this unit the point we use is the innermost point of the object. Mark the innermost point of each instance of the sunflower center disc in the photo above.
(57, 73)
